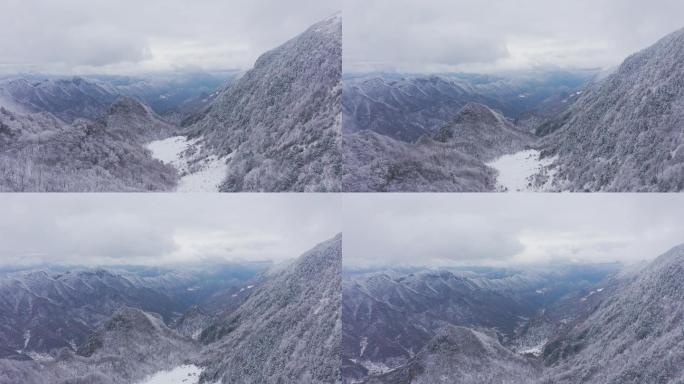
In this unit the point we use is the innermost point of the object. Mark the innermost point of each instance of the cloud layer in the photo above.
(80, 36)
(482, 229)
(493, 35)
(162, 229)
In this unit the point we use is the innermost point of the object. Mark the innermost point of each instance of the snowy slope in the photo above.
(197, 174)
(184, 374)
(517, 171)
(281, 119)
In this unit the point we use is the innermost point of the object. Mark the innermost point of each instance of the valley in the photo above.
(271, 128)
(204, 175)
(558, 325)
(587, 131)
(209, 325)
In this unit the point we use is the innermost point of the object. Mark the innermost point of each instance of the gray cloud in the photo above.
(481, 229)
(162, 229)
(81, 36)
(492, 35)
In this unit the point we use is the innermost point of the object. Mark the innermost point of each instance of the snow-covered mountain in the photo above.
(379, 163)
(408, 107)
(387, 320)
(68, 99)
(282, 325)
(129, 347)
(289, 328)
(624, 328)
(43, 310)
(452, 159)
(626, 132)
(105, 155)
(465, 356)
(617, 132)
(483, 133)
(280, 121)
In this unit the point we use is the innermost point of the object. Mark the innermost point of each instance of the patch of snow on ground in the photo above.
(534, 351)
(40, 357)
(516, 171)
(203, 176)
(373, 367)
(185, 374)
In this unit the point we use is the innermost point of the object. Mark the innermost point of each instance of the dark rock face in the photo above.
(281, 120)
(625, 132)
(105, 155)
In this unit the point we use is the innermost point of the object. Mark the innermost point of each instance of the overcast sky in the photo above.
(162, 229)
(130, 36)
(445, 230)
(495, 35)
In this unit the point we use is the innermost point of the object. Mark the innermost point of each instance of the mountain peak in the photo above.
(128, 106)
(329, 25)
(456, 338)
(475, 113)
(128, 318)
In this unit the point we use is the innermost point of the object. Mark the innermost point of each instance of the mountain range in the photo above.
(273, 128)
(604, 325)
(242, 324)
(586, 132)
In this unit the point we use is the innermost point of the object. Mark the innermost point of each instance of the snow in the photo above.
(204, 176)
(40, 357)
(27, 338)
(534, 351)
(516, 171)
(185, 374)
(169, 150)
(363, 345)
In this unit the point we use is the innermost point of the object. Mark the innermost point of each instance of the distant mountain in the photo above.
(625, 132)
(452, 159)
(403, 109)
(127, 348)
(627, 328)
(130, 120)
(175, 95)
(68, 99)
(465, 356)
(389, 317)
(42, 311)
(280, 121)
(288, 330)
(389, 320)
(378, 163)
(283, 325)
(483, 133)
(169, 94)
(408, 107)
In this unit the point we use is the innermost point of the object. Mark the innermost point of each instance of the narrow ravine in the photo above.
(203, 176)
(517, 170)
